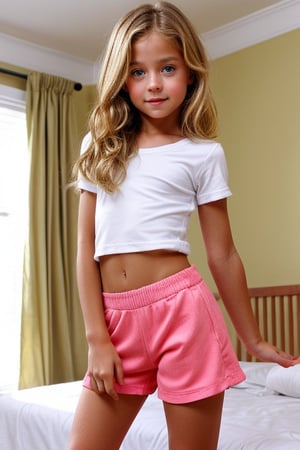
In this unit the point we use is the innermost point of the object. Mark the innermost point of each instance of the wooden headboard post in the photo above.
(277, 312)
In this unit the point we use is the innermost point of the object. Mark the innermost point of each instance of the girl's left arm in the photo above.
(229, 275)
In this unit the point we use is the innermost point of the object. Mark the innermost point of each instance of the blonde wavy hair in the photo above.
(115, 122)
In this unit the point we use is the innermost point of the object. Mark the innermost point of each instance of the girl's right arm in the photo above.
(104, 364)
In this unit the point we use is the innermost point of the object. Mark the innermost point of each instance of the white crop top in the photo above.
(162, 188)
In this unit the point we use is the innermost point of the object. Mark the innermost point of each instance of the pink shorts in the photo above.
(171, 335)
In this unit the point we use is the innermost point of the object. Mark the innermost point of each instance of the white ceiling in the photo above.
(79, 28)
(67, 37)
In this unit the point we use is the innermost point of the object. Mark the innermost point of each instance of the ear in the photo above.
(124, 87)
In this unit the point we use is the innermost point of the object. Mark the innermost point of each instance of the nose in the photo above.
(154, 82)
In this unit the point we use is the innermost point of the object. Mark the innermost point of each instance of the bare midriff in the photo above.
(125, 272)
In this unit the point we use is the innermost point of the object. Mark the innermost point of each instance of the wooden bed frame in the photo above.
(277, 311)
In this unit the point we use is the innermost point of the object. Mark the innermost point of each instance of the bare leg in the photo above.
(194, 426)
(101, 423)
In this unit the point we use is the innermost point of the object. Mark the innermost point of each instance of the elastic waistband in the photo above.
(154, 292)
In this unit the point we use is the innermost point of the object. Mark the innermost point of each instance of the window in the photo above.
(13, 228)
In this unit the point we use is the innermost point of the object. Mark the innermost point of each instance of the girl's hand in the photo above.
(104, 366)
(269, 353)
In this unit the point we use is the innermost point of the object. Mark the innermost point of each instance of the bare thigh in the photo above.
(196, 425)
(101, 423)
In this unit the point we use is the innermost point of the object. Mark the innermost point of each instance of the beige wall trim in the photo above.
(42, 59)
(252, 29)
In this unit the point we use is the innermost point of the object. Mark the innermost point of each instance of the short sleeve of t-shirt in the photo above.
(82, 183)
(212, 182)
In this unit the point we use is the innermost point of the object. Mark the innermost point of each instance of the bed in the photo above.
(261, 413)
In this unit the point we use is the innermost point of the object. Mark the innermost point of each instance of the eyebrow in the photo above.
(163, 60)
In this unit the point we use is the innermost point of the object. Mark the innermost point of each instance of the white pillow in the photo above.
(285, 381)
(256, 373)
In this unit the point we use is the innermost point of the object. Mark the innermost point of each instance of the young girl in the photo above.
(151, 321)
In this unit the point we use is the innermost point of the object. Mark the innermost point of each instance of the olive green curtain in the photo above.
(52, 336)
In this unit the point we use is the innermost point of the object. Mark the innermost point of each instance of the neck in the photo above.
(157, 139)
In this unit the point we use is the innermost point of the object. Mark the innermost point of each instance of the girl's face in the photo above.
(158, 77)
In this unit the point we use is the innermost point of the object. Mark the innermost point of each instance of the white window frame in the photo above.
(12, 98)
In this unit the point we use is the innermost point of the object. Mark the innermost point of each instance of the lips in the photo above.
(156, 101)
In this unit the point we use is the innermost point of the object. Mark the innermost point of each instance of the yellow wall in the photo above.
(257, 91)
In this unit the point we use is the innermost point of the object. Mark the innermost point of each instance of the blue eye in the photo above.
(137, 73)
(168, 69)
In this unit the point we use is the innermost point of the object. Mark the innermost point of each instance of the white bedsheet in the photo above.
(254, 418)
